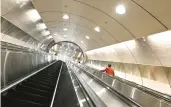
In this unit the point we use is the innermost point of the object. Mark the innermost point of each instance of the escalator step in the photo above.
(28, 97)
(47, 76)
(10, 102)
(42, 83)
(34, 91)
(44, 80)
(38, 86)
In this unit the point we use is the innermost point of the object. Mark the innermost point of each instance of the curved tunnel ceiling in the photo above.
(142, 18)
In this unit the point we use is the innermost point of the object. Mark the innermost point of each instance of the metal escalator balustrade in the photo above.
(90, 99)
(104, 93)
(129, 91)
(83, 98)
(18, 62)
(154, 93)
(36, 91)
(139, 96)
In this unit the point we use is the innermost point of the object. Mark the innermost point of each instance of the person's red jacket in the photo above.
(109, 71)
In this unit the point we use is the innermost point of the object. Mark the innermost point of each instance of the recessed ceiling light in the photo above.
(87, 37)
(97, 29)
(120, 9)
(65, 36)
(65, 29)
(82, 42)
(143, 38)
(41, 26)
(65, 16)
(33, 15)
(49, 37)
(45, 33)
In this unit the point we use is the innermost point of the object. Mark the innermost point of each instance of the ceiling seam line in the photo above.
(79, 25)
(151, 14)
(88, 20)
(74, 23)
(107, 15)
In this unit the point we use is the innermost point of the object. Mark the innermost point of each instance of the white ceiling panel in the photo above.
(142, 18)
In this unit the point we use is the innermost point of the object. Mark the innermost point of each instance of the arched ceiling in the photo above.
(142, 18)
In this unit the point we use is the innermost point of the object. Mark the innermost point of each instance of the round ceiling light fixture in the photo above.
(120, 9)
(65, 16)
(41, 26)
(45, 32)
(65, 29)
(82, 42)
(49, 37)
(87, 37)
(97, 29)
(65, 36)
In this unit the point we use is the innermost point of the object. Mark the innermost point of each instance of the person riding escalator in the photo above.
(109, 71)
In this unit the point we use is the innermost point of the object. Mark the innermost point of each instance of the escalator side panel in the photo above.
(32, 94)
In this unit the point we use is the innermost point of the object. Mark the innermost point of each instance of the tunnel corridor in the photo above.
(85, 53)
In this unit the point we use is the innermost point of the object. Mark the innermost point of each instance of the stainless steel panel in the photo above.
(12, 67)
(127, 90)
(118, 86)
(3, 56)
(19, 16)
(144, 99)
(140, 97)
(13, 31)
(99, 75)
(33, 61)
(107, 79)
(25, 65)
(17, 64)
(90, 70)
(106, 96)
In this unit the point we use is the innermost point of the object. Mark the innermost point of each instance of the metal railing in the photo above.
(130, 91)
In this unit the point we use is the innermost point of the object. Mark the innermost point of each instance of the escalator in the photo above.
(109, 97)
(53, 86)
(106, 87)
(60, 85)
(36, 91)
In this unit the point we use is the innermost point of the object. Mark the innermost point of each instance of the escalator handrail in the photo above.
(94, 99)
(143, 88)
(84, 90)
(24, 78)
(110, 87)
